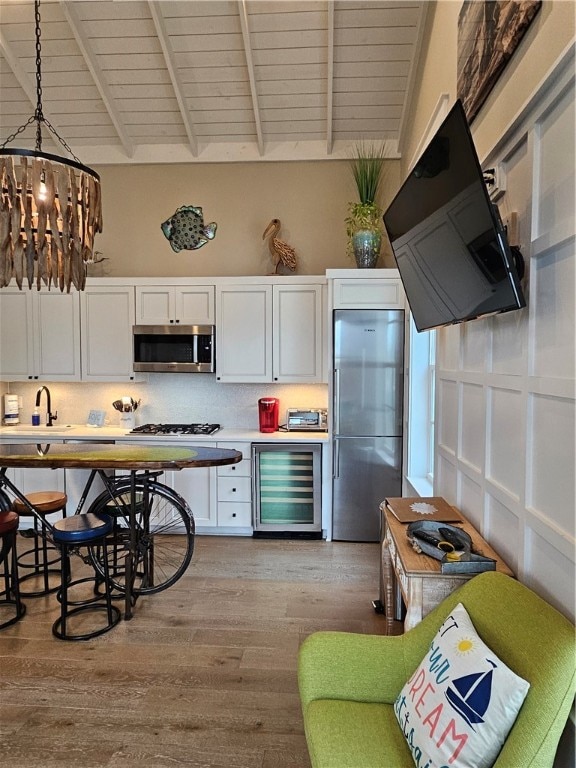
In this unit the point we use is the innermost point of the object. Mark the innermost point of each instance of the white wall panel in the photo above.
(449, 348)
(473, 439)
(514, 467)
(470, 501)
(503, 530)
(448, 478)
(546, 568)
(474, 346)
(504, 460)
(509, 343)
(554, 171)
(448, 428)
(550, 483)
(552, 302)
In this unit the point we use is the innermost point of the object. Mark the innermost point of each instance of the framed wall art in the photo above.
(488, 34)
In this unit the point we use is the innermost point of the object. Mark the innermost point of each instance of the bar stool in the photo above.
(41, 560)
(70, 533)
(10, 597)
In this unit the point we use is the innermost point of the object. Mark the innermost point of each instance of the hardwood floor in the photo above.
(204, 675)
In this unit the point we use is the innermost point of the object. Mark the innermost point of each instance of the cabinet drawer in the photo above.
(243, 468)
(234, 489)
(239, 514)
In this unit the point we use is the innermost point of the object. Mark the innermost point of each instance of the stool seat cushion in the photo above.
(80, 529)
(8, 521)
(43, 502)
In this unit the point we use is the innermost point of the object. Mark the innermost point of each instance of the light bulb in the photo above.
(42, 191)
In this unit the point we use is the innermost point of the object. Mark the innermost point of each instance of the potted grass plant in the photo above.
(364, 221)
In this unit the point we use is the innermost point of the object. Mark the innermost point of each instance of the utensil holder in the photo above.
(128, 420)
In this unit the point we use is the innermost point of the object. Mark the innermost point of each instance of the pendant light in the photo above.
(50, 209)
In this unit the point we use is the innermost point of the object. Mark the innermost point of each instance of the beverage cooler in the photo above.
(287, 489)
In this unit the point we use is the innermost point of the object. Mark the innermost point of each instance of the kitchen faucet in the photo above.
(50, 417)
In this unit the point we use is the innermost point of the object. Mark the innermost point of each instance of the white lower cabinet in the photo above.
(235, 489)
(196, 485)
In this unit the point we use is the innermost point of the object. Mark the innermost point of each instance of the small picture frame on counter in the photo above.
(96, 418)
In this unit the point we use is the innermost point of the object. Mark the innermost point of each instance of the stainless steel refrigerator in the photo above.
(367, 418)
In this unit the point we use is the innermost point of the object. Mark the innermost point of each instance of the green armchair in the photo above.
(349, 682)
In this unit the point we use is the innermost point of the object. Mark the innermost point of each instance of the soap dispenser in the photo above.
(36, 418)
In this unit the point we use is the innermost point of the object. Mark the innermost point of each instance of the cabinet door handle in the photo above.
(233, 490)
(233, 514)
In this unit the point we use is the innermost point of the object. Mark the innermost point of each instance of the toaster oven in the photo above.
(307, 419)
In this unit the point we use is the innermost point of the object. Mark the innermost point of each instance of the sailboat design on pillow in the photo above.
(470, 695)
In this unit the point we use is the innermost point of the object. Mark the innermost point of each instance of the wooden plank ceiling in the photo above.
(211, 80)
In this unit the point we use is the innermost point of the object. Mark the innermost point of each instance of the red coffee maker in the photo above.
(268, 414)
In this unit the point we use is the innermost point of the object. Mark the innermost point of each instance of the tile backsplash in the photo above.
(170, 398)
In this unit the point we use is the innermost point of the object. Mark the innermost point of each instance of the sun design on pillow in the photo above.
(464, 646)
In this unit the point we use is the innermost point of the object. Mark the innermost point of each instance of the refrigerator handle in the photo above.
(336, 459)
(336, 401)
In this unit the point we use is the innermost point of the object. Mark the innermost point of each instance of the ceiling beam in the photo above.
(164, 40)
(95, 70)
(25, 82)
(243, 12)
(330, 77)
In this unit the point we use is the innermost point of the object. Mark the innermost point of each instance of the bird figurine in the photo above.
(282, 253)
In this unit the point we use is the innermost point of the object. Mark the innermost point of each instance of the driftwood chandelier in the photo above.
(51, 207)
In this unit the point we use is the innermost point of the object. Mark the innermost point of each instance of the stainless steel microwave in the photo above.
(174, 348)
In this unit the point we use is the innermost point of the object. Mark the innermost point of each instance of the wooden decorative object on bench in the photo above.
(416, 577)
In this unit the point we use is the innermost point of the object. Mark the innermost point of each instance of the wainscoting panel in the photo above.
(448, 429)
(550, 488)
(505, 402)
(504, 464)
(552, 351)
(502, 518)
(470, 494)
(473, 425)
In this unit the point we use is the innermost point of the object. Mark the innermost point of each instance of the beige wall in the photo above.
(309, 198)
(549, 34)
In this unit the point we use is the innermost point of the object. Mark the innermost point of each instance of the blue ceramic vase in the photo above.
(366, 247)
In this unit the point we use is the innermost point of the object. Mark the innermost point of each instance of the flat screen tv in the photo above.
(447, 236)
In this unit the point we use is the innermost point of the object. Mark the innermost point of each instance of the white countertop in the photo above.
(84, 432)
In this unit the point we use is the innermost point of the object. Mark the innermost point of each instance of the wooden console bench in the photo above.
(415, 577)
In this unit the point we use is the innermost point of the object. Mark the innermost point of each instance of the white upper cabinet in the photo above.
(244, 333)
(380, 289)
(297, 339)
(187, 305)
(39, 335)
(269, 333)
(107, 316)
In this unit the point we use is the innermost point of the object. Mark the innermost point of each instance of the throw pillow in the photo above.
(459, 705)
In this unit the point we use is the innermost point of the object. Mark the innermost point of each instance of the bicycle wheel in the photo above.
(164, 536)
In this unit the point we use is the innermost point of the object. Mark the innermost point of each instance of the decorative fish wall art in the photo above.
(185, 229)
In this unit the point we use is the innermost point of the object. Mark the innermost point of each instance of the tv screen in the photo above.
(447, 236)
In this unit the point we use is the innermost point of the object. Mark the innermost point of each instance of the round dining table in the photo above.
(98, 458)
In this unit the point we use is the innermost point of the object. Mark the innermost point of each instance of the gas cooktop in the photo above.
(176, 429)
